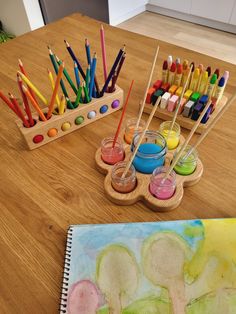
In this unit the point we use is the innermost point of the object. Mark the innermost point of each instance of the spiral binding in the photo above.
(65, 279)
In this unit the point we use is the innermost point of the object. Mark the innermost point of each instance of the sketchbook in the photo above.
(149, 268)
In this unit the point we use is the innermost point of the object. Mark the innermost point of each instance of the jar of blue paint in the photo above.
(151, 153)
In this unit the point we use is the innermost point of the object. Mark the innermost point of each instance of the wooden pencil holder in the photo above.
(186, 123)
(141, 192)
(57, 126)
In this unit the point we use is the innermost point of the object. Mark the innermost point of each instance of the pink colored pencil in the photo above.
(122, 115)
(104, 57)
(25, 101)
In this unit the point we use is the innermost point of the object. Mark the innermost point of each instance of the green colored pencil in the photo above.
(78, 97)
(69, 103)
(67, 76)
(87, 99)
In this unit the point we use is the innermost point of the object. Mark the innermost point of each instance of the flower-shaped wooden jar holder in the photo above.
(141, 192)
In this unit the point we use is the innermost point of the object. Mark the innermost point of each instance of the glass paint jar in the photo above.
(130, 129)
(162, 190)
(151, 153)
(186, 166)
(123, 185)
(172, 138)
(111, 155)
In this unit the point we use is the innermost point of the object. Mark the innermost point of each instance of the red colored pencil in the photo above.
(122, 115)
(24, 72)
(34, 103)
(104, 57)
(18, 109)
(25, 101)
(7, 101)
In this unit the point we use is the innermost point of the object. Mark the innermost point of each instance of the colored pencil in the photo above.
(76, 75)
(55, 66)
(114, 80)
(179, 154)
(34, 103)
(104, 57)
(10, 105)
(147, 87)
(67, 76)
(141, 137)
(68, 47)
(69, 103)
(61, 108)
(25, 101)
(51, 105)
(92, 75)
(18, 109)
(122, 115)
(86, 93)
(50, 76)
(33, 87)
(87, 76)
(22, 69)
(78, 97)
(117, 60)
(87, 48)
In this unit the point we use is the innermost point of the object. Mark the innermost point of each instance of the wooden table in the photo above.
(45, 190)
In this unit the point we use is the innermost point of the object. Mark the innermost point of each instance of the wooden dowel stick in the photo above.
(179, 102)
(178, 156)
(148, 85)
(141, 137)
(211, 125)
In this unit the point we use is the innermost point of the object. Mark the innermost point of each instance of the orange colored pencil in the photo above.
(18, 109)
(34, 103)
(51, 105)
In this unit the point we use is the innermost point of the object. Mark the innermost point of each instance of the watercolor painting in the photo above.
(150, 268)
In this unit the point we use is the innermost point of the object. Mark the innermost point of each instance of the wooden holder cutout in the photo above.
(186, 123)
(141, 192)
(56, 121)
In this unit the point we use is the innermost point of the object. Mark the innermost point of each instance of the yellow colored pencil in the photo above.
(50, 76)
(62, 105)
(31, 85)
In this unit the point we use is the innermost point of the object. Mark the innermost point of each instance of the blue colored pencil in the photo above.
(92, 75)
(76, 71)
(87, 48)
(117, 60)
(75, 59)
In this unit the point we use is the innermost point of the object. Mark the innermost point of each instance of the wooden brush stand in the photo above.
(141, 192)
(186, 123)
(73, 119)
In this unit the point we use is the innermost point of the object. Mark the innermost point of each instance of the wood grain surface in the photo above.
(44, 190)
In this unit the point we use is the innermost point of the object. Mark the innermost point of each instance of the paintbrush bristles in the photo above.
(148, 84)
(141, 137)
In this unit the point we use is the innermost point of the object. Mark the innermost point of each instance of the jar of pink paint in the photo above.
(111, 155)
(160, 189)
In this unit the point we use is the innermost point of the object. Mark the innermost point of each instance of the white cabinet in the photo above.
(233, 15)
(177, 5)
(218, 10)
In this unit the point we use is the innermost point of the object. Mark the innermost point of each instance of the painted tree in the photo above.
(163, 257)
(117, 276)
(84, 298)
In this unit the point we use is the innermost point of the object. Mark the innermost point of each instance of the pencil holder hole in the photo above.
(126, 184)
(34, 121)
(45, 114)
(56, 111)
(162, 189)
(188, 161)
(109, 154)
